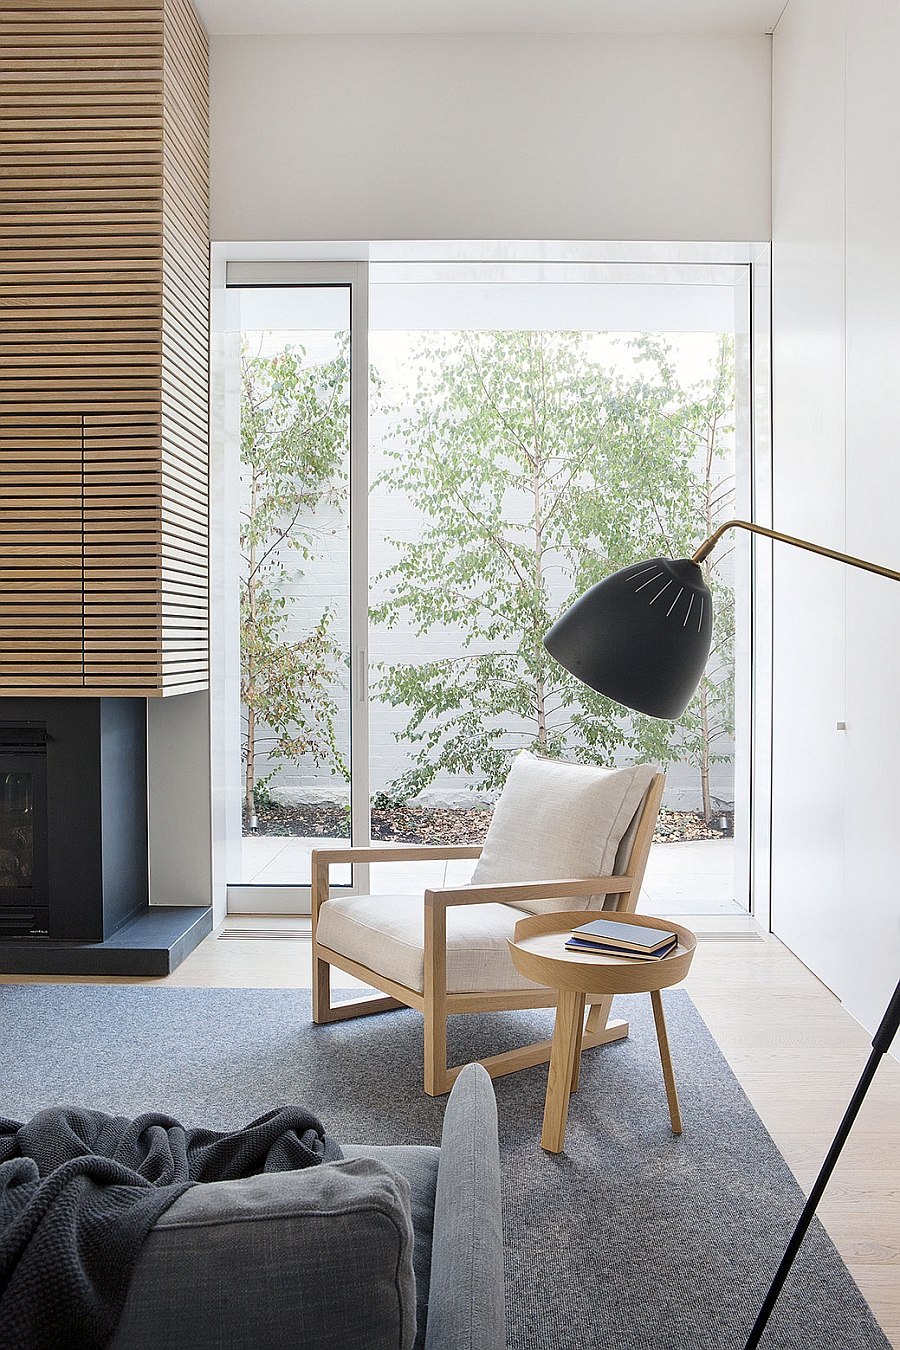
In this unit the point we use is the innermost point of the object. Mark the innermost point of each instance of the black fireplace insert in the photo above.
(73, 817)
(24, 895)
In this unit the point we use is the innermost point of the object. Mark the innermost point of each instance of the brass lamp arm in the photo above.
(709, 544)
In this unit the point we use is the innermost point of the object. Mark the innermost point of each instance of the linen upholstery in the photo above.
(227, 1268)
(387, 933)
(554, 819)
(466, 1309)
(319, 1259)
(418, 1163)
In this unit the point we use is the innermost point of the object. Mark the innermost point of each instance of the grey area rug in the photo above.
(630, 1240)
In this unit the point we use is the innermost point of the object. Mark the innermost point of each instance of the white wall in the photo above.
(836, 353)
(178, 783)
(490, 137)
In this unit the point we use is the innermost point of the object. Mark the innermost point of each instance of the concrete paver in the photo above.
(692, 877)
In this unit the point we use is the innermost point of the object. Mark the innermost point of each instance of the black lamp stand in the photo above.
(880, 1046)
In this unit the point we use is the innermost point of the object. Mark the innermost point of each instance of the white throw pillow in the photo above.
(560, 820)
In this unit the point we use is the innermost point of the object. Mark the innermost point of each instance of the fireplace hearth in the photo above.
(74, 856)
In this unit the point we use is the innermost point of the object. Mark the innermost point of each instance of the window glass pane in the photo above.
(294, 577)
(534, 427)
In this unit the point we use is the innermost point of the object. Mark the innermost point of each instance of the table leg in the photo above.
(566, 1044)
(576, 1063)
(599, 1014)
(665, 1057)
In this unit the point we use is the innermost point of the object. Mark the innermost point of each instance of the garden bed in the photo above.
(436, 825)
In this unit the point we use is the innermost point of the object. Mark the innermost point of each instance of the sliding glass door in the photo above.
(299, 456)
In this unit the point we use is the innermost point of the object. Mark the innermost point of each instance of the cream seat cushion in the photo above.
(555, 819)
(386, 933)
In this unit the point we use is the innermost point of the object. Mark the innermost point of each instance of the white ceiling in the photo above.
(489, 16)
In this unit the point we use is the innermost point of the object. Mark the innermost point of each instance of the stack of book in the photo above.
(609, 938)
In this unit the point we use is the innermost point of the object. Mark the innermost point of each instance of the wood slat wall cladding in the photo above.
(104, 286)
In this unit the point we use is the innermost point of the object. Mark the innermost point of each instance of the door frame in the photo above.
(236, 264)
(246, 898)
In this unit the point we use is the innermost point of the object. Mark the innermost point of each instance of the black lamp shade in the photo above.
(641, 636)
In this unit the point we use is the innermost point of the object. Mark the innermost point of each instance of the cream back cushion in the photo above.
(561, 820)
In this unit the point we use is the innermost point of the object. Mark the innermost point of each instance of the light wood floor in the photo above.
(798, 1055)
(794, 1049)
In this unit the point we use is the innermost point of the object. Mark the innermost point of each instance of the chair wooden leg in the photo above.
(321, 989)
(527, 1056)
(321, 970)
(438, 1078)
(325, 1011)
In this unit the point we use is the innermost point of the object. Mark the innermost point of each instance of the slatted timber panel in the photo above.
(41, 573)
(185, 351)
(102, 163)
(122, 558)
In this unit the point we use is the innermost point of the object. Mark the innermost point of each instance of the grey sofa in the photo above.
(393, 1247)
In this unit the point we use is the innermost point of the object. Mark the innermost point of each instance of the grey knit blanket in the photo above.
(80, 1190)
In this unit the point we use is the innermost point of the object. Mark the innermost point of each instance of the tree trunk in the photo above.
(249, 672)
(704, 692)
(540, 702)
(704, 754)
(540, 693)
(250, 765)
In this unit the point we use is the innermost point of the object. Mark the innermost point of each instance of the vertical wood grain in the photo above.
(566, 1047)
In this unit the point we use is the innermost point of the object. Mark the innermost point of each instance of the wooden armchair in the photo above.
(401, 946)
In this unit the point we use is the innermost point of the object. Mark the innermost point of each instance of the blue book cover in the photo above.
(581, 945)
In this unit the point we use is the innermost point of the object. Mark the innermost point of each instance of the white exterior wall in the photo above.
(490, 137)
(389, 756)
(836, 352)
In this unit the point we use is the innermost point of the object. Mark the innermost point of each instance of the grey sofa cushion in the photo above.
(418, 1163)
(319, 1259)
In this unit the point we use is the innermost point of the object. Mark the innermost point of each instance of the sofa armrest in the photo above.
(467, 1306)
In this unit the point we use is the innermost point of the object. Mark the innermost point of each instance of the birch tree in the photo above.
(536, 471)
(707, 727)
(294, 430)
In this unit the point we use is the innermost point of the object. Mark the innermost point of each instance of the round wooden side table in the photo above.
(539, 953)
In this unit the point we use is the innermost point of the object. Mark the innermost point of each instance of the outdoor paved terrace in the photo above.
(688, 877)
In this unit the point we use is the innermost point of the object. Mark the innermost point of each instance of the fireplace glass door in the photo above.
(23, 829)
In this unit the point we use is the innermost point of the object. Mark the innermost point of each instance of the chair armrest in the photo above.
(509, 892)
(466, 1303)
(393, 853)
(321, 860)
